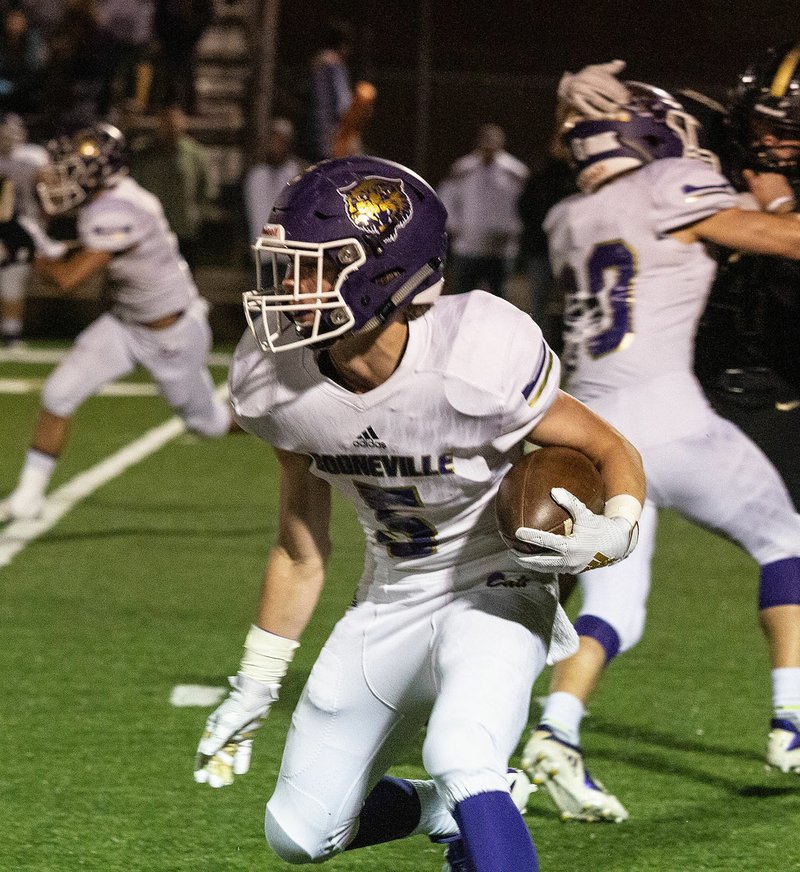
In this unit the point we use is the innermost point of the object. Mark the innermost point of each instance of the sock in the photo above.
(563, 714)
(786, 694)
(435, 819)
(35, 476)
(391, 811)
(496, 838)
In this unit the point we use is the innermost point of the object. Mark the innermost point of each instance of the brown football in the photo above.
(524, 500)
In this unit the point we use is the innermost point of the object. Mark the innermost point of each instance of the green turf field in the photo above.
(151, 582)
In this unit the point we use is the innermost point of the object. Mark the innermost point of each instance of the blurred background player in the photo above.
(19, 163)
(355, 334)
(630, 251)
(480, 193)
(157, 320)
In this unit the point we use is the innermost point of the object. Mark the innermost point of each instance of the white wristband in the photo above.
(267, 656)
(623, 506)
(776, 204)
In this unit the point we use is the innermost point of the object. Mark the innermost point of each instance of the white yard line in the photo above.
(56, 355)
(185, 695)
(18, 534)
(115, 389)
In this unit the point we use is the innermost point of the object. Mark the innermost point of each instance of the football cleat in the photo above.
(520, 787)
(783, 748)
(14, 509)
(559, 767)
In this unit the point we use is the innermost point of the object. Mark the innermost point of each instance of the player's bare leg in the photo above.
(49, 437)
(781, 626)
(50, 433)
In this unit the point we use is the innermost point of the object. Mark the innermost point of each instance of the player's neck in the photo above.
(363, 362)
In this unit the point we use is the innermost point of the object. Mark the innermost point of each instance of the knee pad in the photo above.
(780, 583)
(14, 282)
(296, 839)
(211, 425)
(61, 393)
(285, 847)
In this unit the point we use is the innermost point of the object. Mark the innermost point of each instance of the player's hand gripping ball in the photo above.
(551, 514)
(525, 499)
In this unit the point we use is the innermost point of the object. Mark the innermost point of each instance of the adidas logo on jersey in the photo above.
(368, 439)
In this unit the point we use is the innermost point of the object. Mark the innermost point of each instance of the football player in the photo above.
(765, 126)
(157, 320)
(19, 163)
(630, 249)
(364, 380)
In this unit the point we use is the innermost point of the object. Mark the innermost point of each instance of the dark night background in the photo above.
(501, 61)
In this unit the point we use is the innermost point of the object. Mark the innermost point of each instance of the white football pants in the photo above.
(109, 349)
(718, 479)
(413, 652)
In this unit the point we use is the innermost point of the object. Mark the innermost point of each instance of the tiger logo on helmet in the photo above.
(377, 206)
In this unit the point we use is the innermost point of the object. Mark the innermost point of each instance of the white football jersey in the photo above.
(21, 166)
(420, 456)
(148, 278)
(634, 295)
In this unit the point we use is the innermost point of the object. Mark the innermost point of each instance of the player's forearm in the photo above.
(290, 593)
(620, 467)
(68, 273)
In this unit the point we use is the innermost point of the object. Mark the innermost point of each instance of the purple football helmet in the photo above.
(81, 164)
(652, 125)
(372, 231)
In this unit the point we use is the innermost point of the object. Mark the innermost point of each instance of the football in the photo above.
(524, 500)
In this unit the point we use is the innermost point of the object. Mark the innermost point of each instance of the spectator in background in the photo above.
(45, 15)
(551, 181)
(481, 193)
(19, 163)
(23, 56)
(347, 141)
(274, 168)
(329, 93)
(130, 22)
(178, 26)
(77, 90)
(175, 167)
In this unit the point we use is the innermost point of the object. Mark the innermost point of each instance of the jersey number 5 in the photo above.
(404, 534)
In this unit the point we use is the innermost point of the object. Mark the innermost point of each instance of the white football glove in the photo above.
(595, 540)
(594, 90)
(227, 743)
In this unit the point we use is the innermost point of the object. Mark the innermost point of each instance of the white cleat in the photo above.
(559, 767)
(521, 788)
(783, 747)
(12, 508)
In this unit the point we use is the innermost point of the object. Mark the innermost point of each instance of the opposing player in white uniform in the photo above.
(19, 163)
(157, 320)
(414, 416)
(630, 251)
